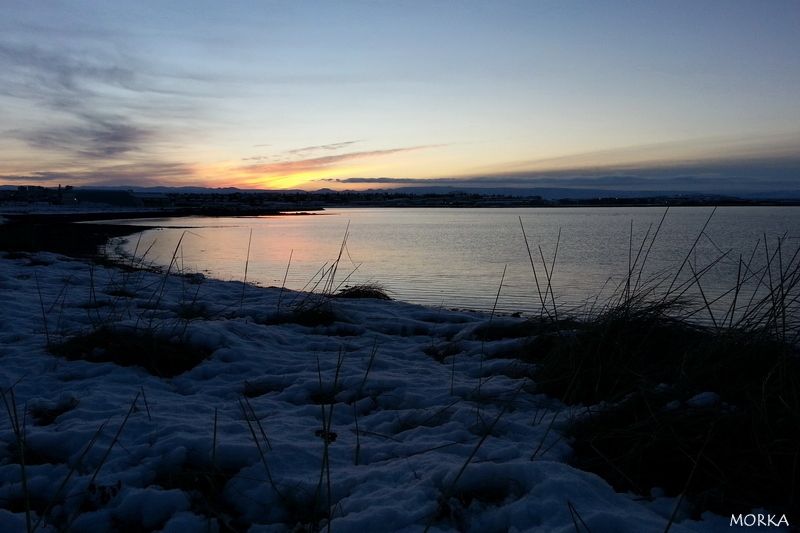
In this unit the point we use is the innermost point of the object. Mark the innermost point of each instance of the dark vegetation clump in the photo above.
(606, 357)
(440, 352)
(708, 410)
(45, 416)
(527, 329)
(308, 316)
(325, 396)
(488, 493)
(714, 415)
(121, 292)
(193, 310)
(314, 316)
(204, 486)
(260, 387)
(159, 355)
(367, 290)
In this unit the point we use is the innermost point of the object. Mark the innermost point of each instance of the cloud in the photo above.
(393, 181)
(58, 79)
(87, 103)
(732, 175)
(325, 147)
(71, 84)
(96, 138)
(140, 174)
(757, 169)
(34, 177)
(298, 166)
(718, 150)
(292, 154)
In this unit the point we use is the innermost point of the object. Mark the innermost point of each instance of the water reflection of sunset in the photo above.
(272, 242)
(431, 256)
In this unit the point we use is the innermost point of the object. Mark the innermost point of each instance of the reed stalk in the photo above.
(246, 265)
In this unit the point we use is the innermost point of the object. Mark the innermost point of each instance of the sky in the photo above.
(691, 95)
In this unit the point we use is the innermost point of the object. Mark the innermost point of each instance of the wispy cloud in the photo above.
(59, 79)
(395, 181)
(728, 150)
(313, 164)
(90, 102)
(758, 169)
(324, 147)
(140, 174)
(96, 137)
(306, 152)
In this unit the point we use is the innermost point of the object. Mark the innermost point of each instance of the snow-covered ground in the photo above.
(412, 441)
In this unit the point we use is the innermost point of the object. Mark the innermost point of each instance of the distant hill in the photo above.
(549, 193)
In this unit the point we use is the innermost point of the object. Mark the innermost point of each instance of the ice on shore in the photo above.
(411, 440)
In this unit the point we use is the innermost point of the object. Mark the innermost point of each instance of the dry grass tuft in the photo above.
(366, 290)
(159, 355)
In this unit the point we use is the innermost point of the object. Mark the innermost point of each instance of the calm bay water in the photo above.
(456, 258)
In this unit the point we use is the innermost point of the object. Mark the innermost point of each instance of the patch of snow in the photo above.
(704, 399)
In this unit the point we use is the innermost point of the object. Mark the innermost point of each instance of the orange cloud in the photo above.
(286, 174)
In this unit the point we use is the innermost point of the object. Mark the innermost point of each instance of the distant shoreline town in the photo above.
(250, 203)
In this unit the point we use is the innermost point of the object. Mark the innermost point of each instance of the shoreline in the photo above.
(64, 233)
(70, 239)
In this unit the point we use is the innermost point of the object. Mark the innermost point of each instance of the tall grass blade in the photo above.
(689, 253)
(246, 265)
(372, 355)
(533, 268)
(575, 517)
(258, 423)
(44, 315)
(285, 276)
(483, 341)
(358, 439)
(686, 487)
(85, 493)
(146, 407)
(447, 493)
(260, 451)
(159, 293)
(649, 248)
(214, 442)
(549, 274)
(54, 500)
(328, 287)
(19, 434)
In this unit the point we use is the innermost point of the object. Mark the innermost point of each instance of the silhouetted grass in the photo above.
(708, 409)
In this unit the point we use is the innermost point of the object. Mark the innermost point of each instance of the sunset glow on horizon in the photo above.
(353, 95)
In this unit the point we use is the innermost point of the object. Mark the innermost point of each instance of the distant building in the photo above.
(151, 199)
(108, 197)
(123, 198)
